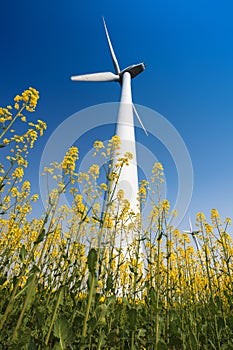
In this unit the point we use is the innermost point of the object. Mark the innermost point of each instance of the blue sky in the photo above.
(187, 47)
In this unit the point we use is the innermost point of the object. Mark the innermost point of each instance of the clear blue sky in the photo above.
(186, 45)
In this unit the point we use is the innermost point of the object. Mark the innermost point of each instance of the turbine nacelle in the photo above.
(134, 70)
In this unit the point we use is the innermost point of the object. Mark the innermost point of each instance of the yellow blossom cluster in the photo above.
(69, 161)
(142, 193)
(94, 171)
(18, 173)
(28, 99)
(113, 146)
(157, 173)
(165, 205)
(98, 145)
(5, 114)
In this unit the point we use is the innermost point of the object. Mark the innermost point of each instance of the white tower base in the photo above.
(128, 180)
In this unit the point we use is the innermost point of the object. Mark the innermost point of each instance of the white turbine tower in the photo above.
(128, 180)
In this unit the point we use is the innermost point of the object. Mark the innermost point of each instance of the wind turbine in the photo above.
(128, 180)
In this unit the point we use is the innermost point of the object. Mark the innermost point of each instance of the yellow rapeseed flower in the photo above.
(104, 187)
(69, 161)
(98, 145)
(18, 173)
(165, 205)
(94, 171)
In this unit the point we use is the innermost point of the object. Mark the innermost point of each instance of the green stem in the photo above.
(54, 316)
(132, 341)
(29, 294)
(84, 330)
(99, 346)
(157, 296)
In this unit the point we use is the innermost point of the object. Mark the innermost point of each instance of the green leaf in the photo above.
(162, 345)
(152, 295)
(109, 282)
(132, 313)
(62, 331)
(92, 260)
(3, 279)
(40, 237)
(22, 253)
(34, 269)
(32, 346)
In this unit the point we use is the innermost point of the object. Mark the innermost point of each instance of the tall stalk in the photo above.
(159, 240)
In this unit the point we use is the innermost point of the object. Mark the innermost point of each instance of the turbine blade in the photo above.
(190, 224)
(105, 76)
(139, 119)
(114, 59)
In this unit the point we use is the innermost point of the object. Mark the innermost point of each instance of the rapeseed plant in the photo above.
(67, 282)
